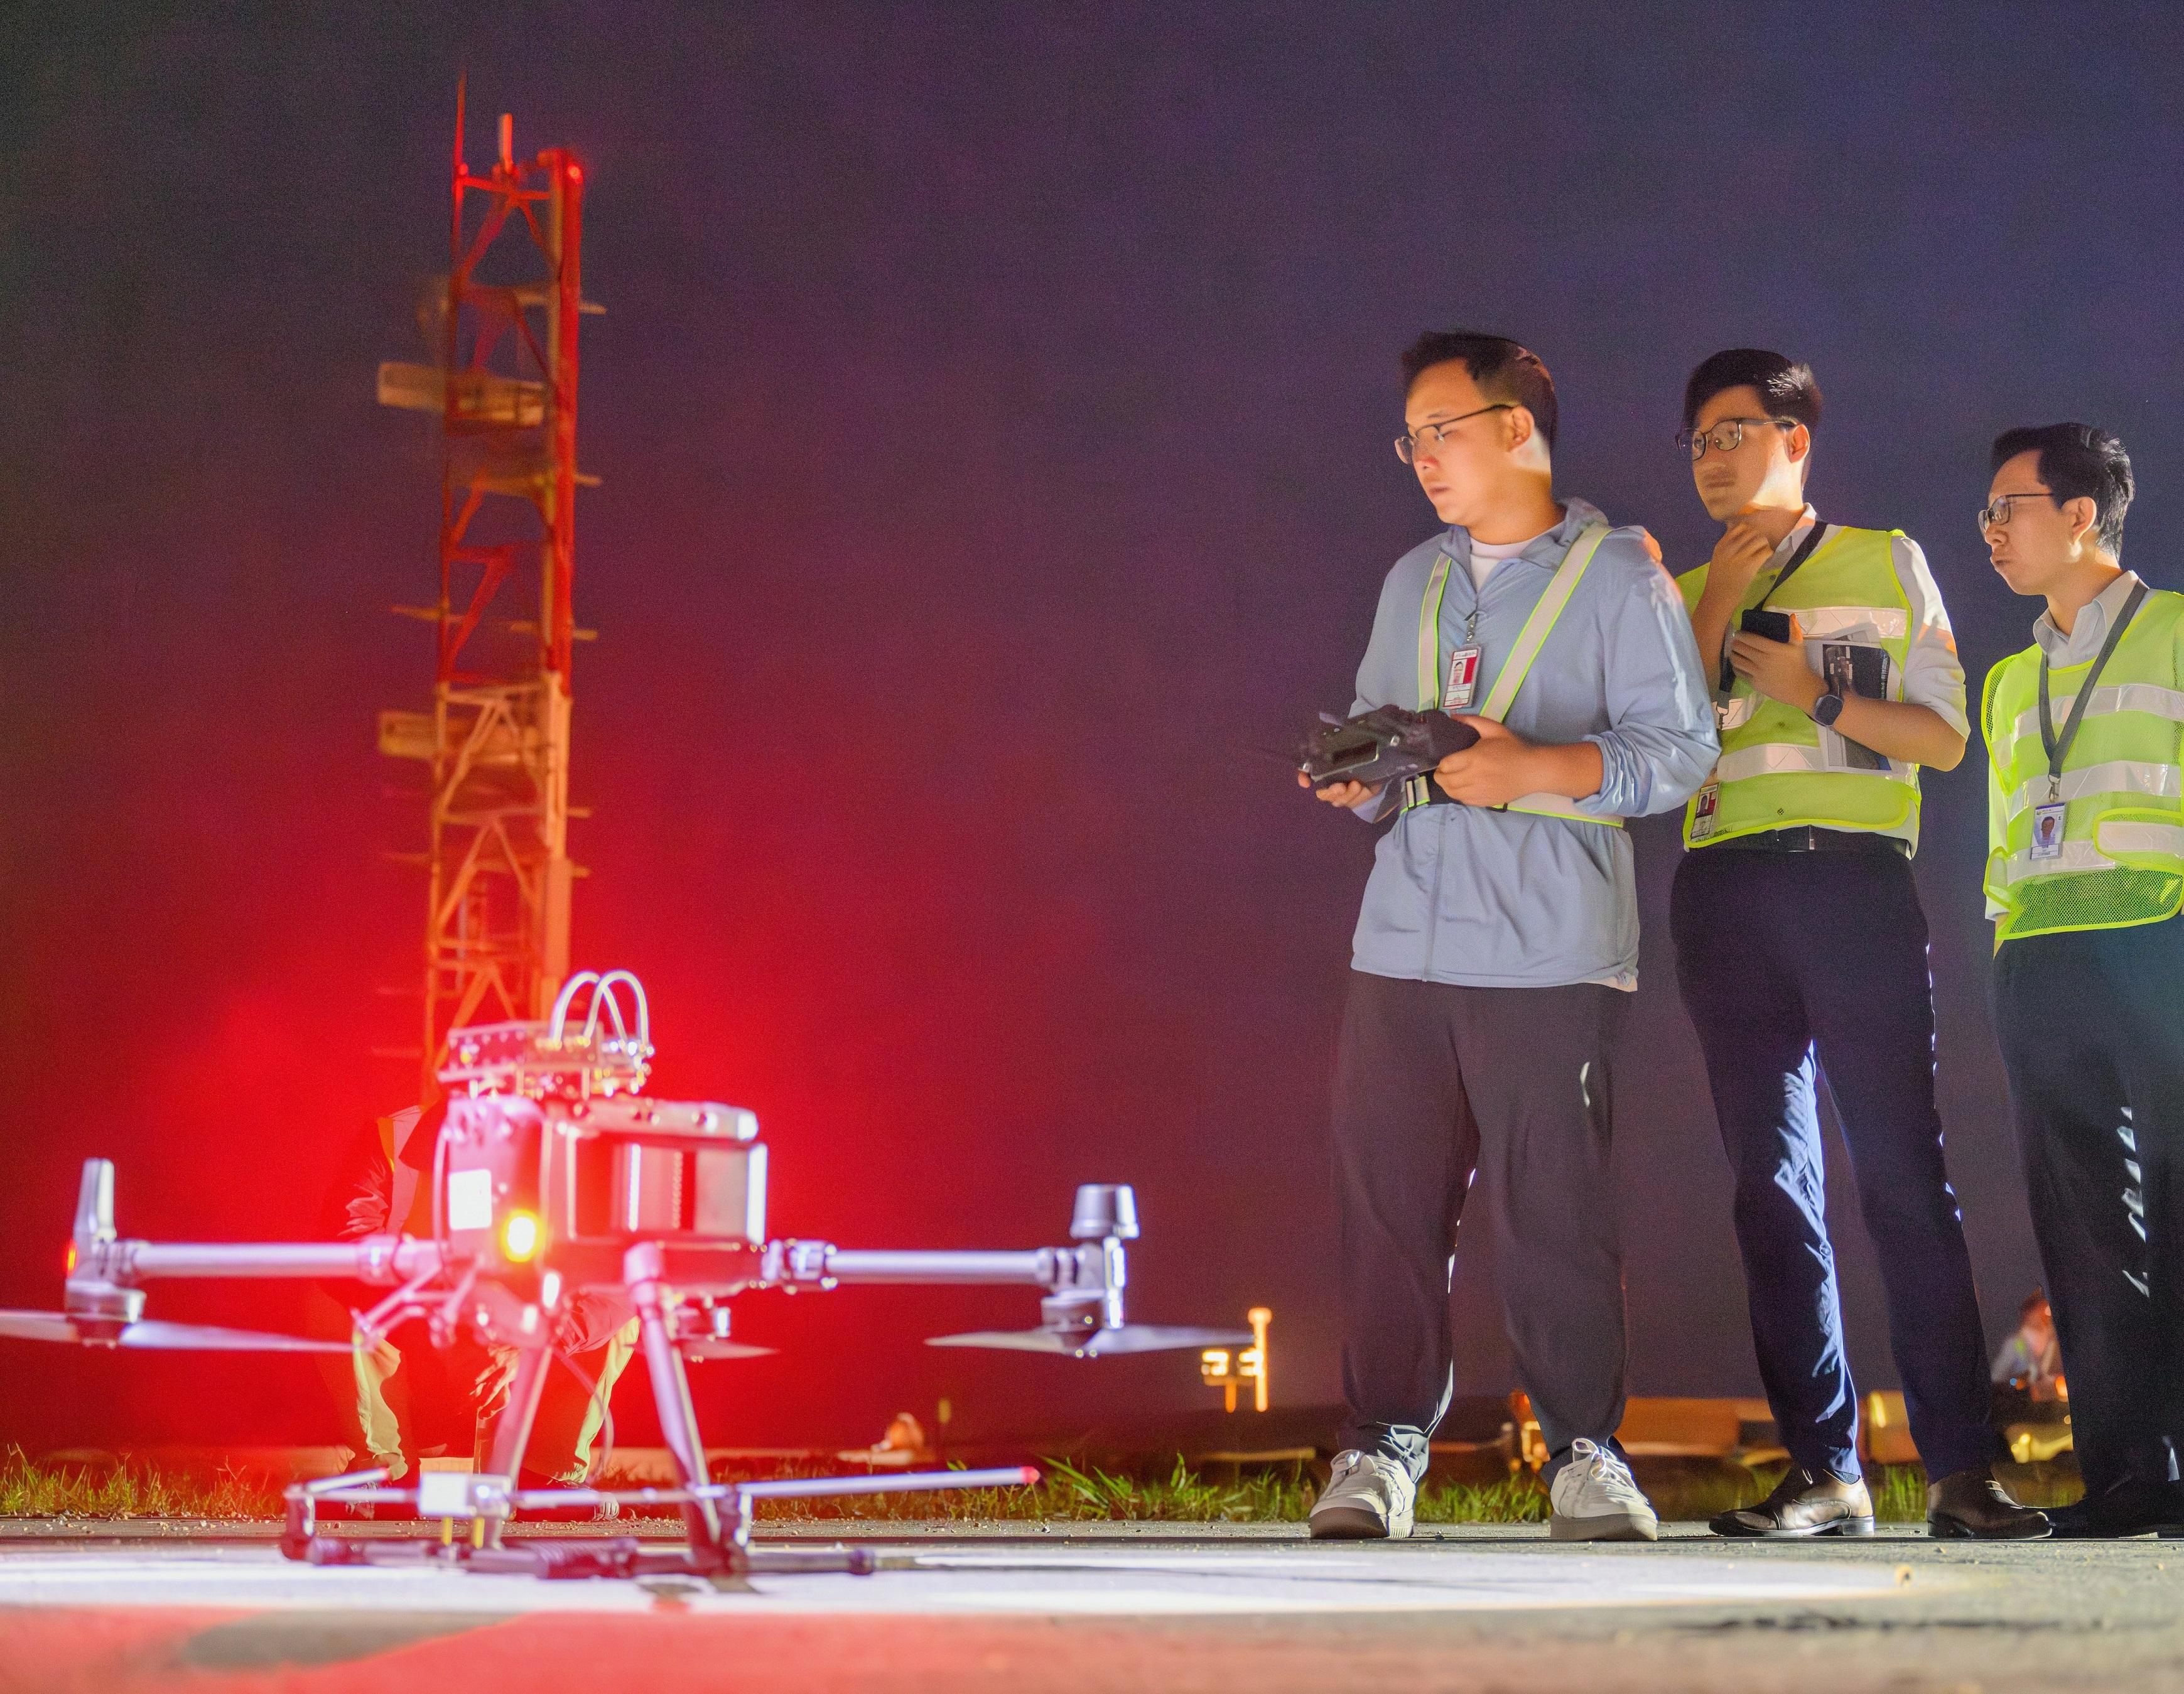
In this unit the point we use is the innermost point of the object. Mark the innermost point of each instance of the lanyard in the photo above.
(1806, 548)
(1576, 557)
(2058, 747)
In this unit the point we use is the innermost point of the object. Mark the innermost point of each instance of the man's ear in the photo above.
(1799, 446)
(1517, 427)
(2083, 516)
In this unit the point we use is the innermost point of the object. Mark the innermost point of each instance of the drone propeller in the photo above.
(1130, 1338)
(58, 1326)
(699, 1351)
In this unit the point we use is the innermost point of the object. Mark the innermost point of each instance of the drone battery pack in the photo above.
(602, 1172)
(652, 1169)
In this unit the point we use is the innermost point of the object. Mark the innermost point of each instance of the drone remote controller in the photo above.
(1385, 744)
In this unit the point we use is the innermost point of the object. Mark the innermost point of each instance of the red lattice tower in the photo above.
(497, 738)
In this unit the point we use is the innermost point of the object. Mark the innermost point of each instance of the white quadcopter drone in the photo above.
(553, 1177)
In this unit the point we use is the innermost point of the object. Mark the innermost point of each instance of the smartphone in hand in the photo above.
(1771, 626)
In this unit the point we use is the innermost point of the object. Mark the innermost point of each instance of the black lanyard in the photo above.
(2059, 748)
(1806, 548)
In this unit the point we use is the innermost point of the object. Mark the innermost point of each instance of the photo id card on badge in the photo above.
(2048, 830)
(1706, 811)
(1462, 680)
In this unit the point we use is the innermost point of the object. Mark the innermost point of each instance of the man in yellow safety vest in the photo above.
(2085, 880)
(1801, 946)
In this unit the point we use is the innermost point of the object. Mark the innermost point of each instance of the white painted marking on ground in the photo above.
(1096, 1582)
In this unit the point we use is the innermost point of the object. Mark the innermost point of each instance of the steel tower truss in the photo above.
(497, 739)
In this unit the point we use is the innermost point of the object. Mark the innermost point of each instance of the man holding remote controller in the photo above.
(1499, 938)
(1800, 941)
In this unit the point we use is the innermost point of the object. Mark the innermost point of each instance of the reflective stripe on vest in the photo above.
(2122, 786)
(1538, 627)
(2116, 776)
(1774, 772)
(2156, 702)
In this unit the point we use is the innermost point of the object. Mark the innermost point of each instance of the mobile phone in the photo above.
(1773, 626)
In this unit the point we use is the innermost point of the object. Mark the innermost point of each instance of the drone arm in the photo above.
(381, 1259)
(1037, 1268)
(821, 1264)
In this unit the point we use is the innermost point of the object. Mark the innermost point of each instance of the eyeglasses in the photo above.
(1726, 436)
(1996, 512)
(1431, 436)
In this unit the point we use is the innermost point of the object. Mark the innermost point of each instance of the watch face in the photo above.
(1827, 709)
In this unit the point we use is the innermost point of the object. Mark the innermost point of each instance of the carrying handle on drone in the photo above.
(604, 999)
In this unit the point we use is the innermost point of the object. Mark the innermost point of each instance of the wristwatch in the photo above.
(1827, 709)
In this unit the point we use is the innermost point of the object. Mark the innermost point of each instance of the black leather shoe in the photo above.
(2133, 1506)
(1971, 1506)
(1803, 1504)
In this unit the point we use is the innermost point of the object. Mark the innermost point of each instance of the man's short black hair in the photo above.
(1785, 385)
(1503, 369)
(2077, 461)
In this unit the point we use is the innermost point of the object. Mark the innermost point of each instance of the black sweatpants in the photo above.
(1433, 1083)
(1782, 958)
(2092, 1029)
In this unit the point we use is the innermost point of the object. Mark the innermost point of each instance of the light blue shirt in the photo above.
(1490, 899)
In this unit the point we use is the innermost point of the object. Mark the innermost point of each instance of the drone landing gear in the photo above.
(613, 1555)
(472, 1510)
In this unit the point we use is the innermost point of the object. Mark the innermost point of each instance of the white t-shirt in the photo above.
(1486, 555)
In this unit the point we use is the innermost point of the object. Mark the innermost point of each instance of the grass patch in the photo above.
(127, 1489)
(1067, 1493)
(1512, 1500)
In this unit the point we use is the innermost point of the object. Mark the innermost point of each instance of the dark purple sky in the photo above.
(993, 408)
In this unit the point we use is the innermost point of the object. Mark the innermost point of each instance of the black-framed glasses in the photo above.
(1724, 437)
(1431, 436)
(1996, 512)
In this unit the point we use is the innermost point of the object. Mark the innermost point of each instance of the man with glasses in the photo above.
(1498, 940)
(2085, 880)
(1800, 944)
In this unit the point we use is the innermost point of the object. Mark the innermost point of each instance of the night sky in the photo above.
(993, 408)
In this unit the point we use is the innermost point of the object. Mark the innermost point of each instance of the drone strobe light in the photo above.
(519, 1237)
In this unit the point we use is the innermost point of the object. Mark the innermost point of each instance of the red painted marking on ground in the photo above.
(286, 1650)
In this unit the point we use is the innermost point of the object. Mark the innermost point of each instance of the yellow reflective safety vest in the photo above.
(1546, 612)
(1775, 771)
(2121, 858)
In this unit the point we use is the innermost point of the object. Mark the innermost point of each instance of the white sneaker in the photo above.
(1368, 1498)
(1597, 1499)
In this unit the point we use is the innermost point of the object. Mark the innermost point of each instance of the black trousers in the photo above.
(1433, 1083)
(2092, 1029)
(1782, 958)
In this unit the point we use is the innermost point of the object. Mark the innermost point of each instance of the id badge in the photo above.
(1462, 680)
(2048, 830)
(1706, 811)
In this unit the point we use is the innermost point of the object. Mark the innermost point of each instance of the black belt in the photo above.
(1810, 838)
